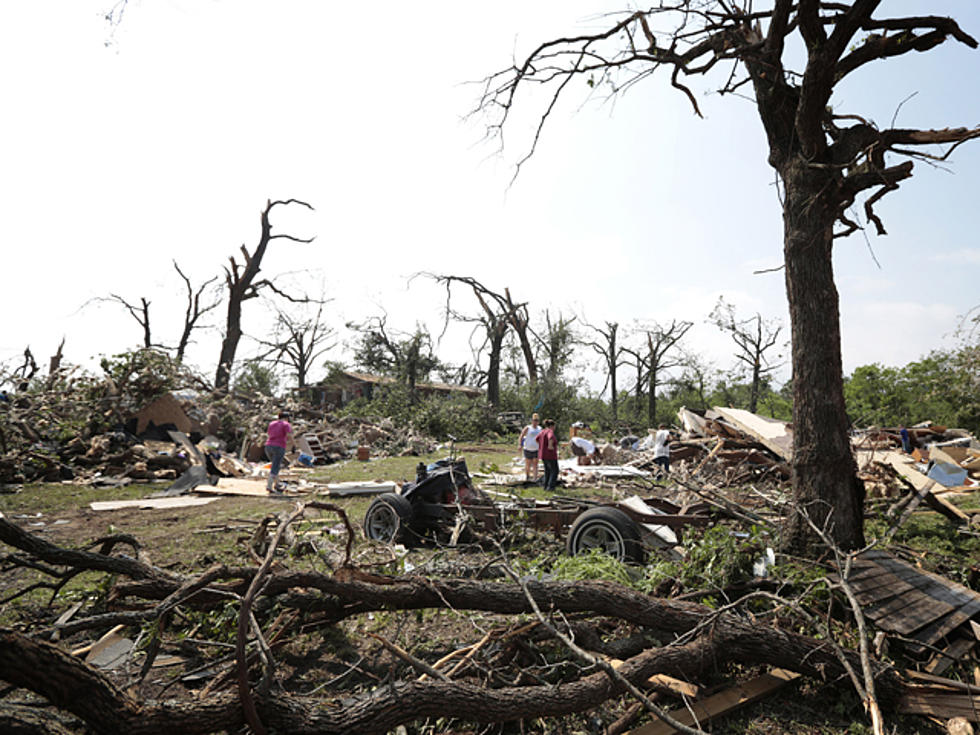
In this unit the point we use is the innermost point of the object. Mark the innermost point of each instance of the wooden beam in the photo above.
(722, 703)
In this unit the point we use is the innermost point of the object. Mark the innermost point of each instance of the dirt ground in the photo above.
(348, 656)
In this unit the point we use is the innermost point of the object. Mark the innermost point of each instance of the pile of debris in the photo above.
(84, 432)
(923, 455)
(730, 445)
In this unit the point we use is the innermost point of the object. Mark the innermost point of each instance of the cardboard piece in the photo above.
(150, 503)
(164, 410)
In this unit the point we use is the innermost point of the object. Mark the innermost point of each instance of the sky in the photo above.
(127, 147)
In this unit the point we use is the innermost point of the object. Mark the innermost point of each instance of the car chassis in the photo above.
(443, 500)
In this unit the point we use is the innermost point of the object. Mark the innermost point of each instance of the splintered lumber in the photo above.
(663, 682)
(774, 434)
(949, 655)
(722, 703)
(942, 702)
(943, 506)
(150, 503)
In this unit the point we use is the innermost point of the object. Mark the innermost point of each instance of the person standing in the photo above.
(275, 448)
(548, 452)
(661, 448)
(529, 444)
(906, 440)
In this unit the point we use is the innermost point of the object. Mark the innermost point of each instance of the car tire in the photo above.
(609, 529)
(389, 519)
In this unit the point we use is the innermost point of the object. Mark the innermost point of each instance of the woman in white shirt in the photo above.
(528, 441)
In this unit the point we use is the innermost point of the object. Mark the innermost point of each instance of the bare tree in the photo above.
(824, 160)
(499, 313)
(243, 286)
(54, 364)
(194, 311)
(298, 342)
(140, 312)
(611, 353)
(754, 337)
(517, 315)
(661, 357)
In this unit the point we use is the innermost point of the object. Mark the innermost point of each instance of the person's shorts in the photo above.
(577, 450)
(530, 454)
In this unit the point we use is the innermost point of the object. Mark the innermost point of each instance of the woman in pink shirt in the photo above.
(275, 448)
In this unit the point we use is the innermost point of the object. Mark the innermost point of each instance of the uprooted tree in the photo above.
(825, 161)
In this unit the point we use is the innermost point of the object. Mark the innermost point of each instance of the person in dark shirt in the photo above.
(548, 454)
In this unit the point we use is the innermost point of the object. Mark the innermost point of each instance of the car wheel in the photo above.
(389, 519)
(607, 529)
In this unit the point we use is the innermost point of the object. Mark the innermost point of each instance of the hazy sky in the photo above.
(123, 150)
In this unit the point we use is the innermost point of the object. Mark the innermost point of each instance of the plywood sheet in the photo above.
(150, 503)
(235, 486)
(774, 434)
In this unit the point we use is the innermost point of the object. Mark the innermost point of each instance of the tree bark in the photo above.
(825, 483)
(495, 332)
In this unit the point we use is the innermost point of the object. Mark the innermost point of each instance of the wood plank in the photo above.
(946, 508)
(150, 503)
(887, 606)
(921, 614)
(722, 703)
(947, 625)
(774, 434)
(235, 486)
(665, 683)
(950, 655)
(942, 681)
(943, 706)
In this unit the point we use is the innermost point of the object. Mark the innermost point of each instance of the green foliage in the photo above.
(254, 378)
(435, 415)
(717, 560)
(594, 564)
(943, 387)
(565, 402)
(144, 373)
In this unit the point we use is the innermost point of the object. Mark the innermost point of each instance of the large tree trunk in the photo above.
(825, 484)
(229, 345)
(493, 368)
(652, 396)
(614, 399)
(756, 379)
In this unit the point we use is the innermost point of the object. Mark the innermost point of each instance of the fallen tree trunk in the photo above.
(711, 639)
(75, 687)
